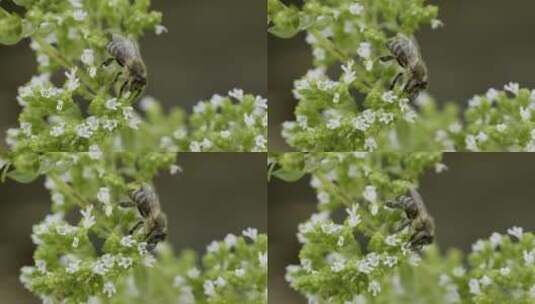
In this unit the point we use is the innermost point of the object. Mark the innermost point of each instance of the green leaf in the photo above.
(289, 175)
(11, 28)
(24, 177)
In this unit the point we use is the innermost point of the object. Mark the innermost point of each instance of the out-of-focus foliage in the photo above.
(357, 110)
(353, 251)
(74, 101)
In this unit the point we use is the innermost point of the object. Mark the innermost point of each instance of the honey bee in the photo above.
(147, 203)
(125, 52)
(407, 53)
(422, 224)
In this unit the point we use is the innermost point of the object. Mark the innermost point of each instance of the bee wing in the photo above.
(417, 198)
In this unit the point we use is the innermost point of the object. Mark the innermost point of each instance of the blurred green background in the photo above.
(211, 47)
(484, 44)
(481, 193)
(217, 193)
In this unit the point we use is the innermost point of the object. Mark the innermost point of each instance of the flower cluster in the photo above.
(92, 249)
(340, 260)
(358, 111)
(363, 258)
(350, 36)
(85, 109)
(232, 271)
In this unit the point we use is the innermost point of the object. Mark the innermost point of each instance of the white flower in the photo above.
(389, 96)
(193, 273)
(79, 15)
(260, 142)
(95, 152)
(104, 195)
(364, 50)
(440, 167)
(374, 288)
(237, 94)
(492, 94)
(200, 107)
(109, 289)
(478, 246)
(92, 71)
(209, 288)
(495, 239)
(128, 241)
(485, 281)
(43, 60)
(390, 261)
(370, 193)
(76, 3)
(517, 232)
(249, 120)
(231, 240)
(529, 257)
(213, 247)
(392, 240)
(225, 134)
(501, 127)
(263, 259)
(41, 266)
(436, 23)
(471, 143)
(75, 242)
(505, 271)
(512, 87)
(474, 287)
(364, 267)
(349, 75)
(72, 81)
(251, 233)
(455, 128)
(88, 57)
(459, 271)
(73, 266)
(88, 220)
(323, 197)
(354, 217)
(356, 8)
(125, 262)
(111, 104)
(195, 146)
(142, 248)
(160, 29)
(174, 169)
(334, 123)
(58, 129)
(370, 144)
(240, 272)
(525, 113)
(220, 282)
(474, 102)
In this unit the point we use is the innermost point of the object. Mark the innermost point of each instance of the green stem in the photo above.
(53, 53)
(69, 190)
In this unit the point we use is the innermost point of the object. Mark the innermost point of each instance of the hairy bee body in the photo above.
(147, 202)
(126, 52)
(407, 54)
(421, 223)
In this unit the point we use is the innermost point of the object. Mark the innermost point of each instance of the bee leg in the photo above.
(127, 204)
(420, 239)
(403, 225)
(123, 87)
(395, 81)
(154, 238)
(387, 58)
(107, 62)
(117, 77)
(136, 227)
